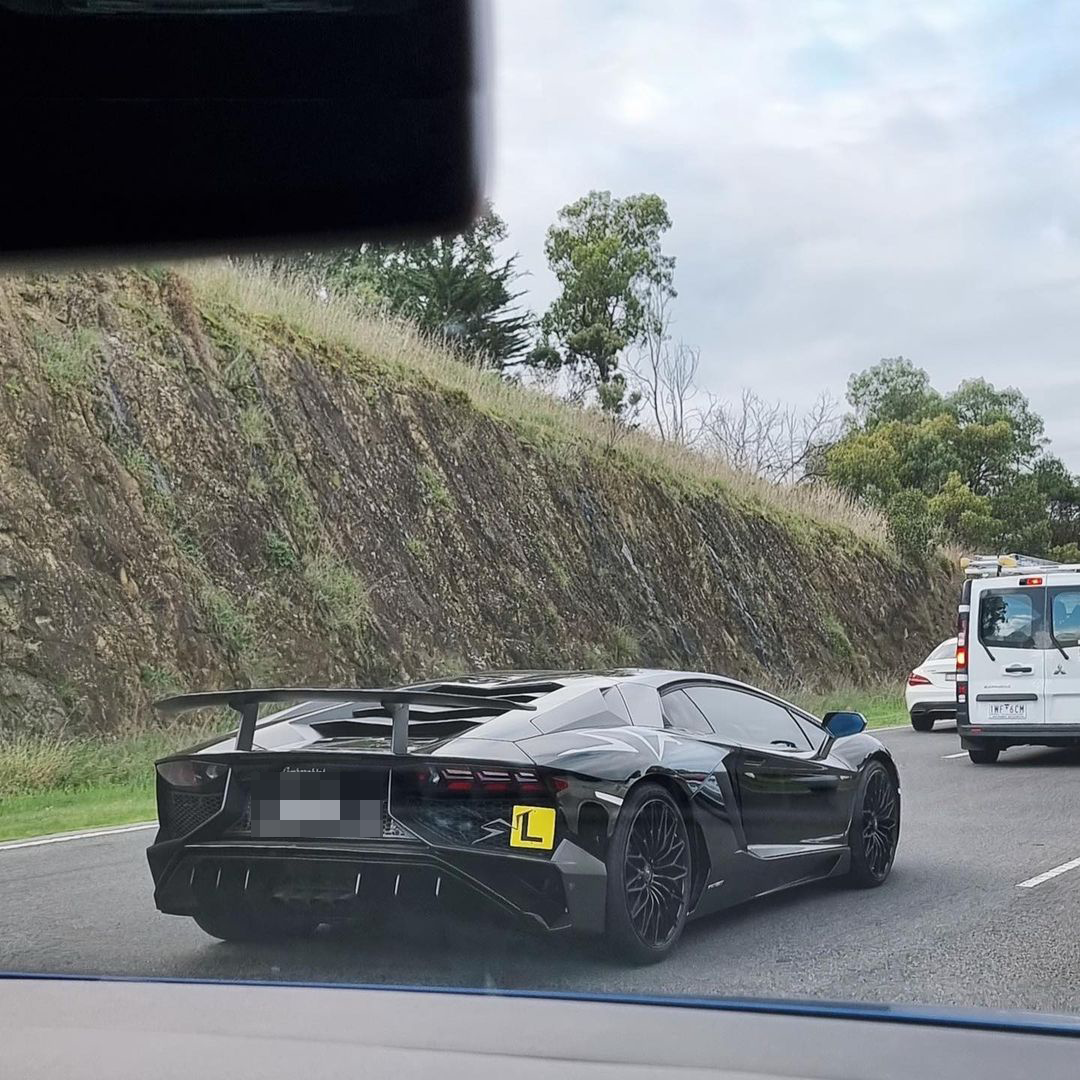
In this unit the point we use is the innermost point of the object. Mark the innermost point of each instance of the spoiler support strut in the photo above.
(399, 728)
(245, 735)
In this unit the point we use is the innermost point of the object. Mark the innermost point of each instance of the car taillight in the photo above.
(961, 659)
(192, 775)
(463, 780)
(917, 680)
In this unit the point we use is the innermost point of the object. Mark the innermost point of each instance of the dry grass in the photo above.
(399, 344)
(33, 764)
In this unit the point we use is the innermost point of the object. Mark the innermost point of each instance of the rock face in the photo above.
(194, 493)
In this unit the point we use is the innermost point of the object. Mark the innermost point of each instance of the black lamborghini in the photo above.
(618, 803)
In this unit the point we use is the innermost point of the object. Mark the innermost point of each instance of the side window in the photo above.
(813, 732)
(717, 703)
(1065, 615)
(616, 703)
(1010, 618)
(741, 717)
(643, 704)
(682, 714)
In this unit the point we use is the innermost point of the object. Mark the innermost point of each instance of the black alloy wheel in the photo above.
(648, 875)
(875, 827)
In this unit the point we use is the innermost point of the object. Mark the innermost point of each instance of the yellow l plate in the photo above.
(533, 827)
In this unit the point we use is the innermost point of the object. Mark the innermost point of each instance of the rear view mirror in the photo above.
(839, 724)
(202, 125)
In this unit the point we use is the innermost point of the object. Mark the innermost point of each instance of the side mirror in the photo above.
(839, 724)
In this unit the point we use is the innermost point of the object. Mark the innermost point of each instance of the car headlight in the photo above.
(192, 775)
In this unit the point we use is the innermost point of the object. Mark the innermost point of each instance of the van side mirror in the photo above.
(839, 724)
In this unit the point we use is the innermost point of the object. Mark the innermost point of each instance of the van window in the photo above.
(1010, 618)
(1065, 616)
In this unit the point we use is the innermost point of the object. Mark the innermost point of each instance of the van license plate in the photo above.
(1008, 710)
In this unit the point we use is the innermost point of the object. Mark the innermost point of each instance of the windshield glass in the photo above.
(522, 556)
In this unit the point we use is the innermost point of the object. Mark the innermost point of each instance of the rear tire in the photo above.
(254, 925)
(648, 876)
(875, 827)
(983, 755)
(923, 721)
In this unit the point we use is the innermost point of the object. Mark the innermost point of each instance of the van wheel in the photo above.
(923, 721)
(983, 755)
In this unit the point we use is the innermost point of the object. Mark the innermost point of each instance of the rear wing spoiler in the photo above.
(396, 703)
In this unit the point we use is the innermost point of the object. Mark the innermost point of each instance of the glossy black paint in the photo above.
(760, 817)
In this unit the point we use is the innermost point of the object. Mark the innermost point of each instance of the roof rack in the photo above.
(1012, 565)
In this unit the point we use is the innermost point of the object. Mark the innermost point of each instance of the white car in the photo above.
(931, 688)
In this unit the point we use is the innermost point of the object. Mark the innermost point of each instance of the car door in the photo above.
(792, 797)
(1062, 680)
(1007, 656)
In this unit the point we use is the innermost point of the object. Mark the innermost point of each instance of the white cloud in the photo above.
(846, 180)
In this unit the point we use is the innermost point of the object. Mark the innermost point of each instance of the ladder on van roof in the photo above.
(1012, 565)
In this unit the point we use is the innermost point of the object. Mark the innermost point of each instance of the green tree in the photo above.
(892, 389)
(962, 516)
(454, 287)
(976, 455)
(606, 254)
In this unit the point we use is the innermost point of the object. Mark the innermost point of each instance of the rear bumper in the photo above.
(938, 708)
(1018, 734)
(338, 881)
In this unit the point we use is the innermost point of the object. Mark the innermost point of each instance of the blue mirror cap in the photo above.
(840, 724)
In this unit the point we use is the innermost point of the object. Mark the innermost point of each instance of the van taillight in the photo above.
(961, 658)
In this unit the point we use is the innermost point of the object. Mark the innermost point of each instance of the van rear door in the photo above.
(1063, 671)
(1007, 661)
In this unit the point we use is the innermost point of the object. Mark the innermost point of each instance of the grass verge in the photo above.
(49, 786)
(65, 811)
(881, 707)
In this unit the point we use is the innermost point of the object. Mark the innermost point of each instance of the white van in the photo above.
(1017, 655)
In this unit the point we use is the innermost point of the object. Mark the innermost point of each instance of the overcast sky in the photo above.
(846, 181)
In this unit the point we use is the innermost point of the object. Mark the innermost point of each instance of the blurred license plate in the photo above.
(1008, 710)
(316, 804)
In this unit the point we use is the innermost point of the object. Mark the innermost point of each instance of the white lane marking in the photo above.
(64, 837)
(963, 753)
(1072, 864)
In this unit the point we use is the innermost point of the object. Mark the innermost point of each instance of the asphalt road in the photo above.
(951, 926)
